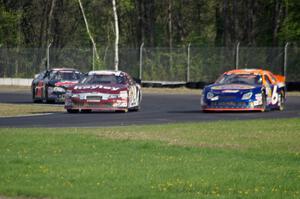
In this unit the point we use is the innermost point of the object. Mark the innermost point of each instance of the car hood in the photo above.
(231, 88)
(98, 88)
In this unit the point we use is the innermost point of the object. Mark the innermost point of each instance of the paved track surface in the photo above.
(156, 109)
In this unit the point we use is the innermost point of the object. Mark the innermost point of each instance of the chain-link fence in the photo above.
(187, 64)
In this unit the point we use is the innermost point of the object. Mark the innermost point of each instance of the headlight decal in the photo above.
(247, 96)
(209, 95)
(59, 89)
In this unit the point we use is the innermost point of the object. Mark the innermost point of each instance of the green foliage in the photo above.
(198, 21)
(291, 27)
(9, 27)
(257, 23)
(237, 159)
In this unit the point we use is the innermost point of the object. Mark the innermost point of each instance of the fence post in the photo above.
(141, 61)
(188, 63)
(285, 59)
(237, 55)
(48, 56)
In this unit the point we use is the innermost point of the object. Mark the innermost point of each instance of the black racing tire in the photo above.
(72, 111)
(86, 111)
(34, 100)
(136, 108)
(282, 101)
(46, 94)
(264, 102)
(122, 111)
(47, 100)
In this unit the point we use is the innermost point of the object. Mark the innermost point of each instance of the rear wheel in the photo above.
(136, 108)
(281, 101)
(122, 111)
(264, 102)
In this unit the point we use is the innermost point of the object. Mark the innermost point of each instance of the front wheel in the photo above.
(72, 111)
(86, 111)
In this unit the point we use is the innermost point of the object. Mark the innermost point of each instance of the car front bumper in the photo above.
(118, 104)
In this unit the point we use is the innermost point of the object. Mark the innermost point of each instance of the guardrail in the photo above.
(291, 86)
(15, 81)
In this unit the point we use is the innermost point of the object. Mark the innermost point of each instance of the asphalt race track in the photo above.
(156, 109)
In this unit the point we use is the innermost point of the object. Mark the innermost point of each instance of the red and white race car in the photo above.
(104, 91)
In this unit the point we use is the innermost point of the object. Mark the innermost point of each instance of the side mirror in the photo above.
(137, 80)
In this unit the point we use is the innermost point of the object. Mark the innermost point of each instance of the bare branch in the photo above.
(88, 31)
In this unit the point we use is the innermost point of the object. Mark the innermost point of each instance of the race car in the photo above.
(245, 90)
(104, 91)
(51, 85)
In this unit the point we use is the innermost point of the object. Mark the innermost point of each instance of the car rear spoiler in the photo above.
(280, 81)
(280, 78)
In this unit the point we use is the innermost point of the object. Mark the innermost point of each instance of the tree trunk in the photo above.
(140, 21)
(170, 31)
(117, 36)
(48, 30)
(278, 13)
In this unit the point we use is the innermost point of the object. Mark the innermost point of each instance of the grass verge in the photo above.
(238, 159)
(10, 110)
(13, 89)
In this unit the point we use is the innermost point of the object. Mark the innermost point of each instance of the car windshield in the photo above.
(66, 75)
(240, 79)
(104, 79)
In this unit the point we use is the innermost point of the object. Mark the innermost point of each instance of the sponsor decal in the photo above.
(93, 87)
(66, 82)
(258, 98)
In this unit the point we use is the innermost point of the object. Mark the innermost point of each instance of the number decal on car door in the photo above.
(275, 96)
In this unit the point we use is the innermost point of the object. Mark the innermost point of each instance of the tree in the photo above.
(116, 59)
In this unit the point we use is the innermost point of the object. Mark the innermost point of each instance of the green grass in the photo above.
(238, 159)
(11, 110)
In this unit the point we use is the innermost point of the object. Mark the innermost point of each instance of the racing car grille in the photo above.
(227, 97)
(94, 97)
(228, 104)
(93, 105)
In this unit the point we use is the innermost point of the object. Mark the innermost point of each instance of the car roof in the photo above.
(62, 69)
(105, 72)
(247, 71)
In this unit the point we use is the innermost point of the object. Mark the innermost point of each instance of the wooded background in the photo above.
(165, 24)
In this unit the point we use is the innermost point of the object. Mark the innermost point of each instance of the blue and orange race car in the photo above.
(245, 90)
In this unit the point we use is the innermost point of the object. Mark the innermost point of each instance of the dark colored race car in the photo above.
(51, 85)
(104, 91)
(245, 90)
